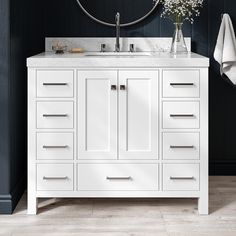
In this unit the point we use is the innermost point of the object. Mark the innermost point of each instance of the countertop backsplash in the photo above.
(159, 44)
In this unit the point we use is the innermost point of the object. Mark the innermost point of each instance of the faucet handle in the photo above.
(103, 47)
(131, 47)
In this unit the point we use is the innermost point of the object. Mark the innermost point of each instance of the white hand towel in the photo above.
(225, 50)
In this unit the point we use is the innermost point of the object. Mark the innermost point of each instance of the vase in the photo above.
(178, 45)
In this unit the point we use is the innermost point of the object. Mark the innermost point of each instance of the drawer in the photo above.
(181, 115)
(55, 146)
(55, 177)
(117, 177)
(181, 83)
(180, 177)
(52, 115)
(55, 83)
(180, 146)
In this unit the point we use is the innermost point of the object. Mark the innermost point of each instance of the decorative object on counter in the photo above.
(179, 11)
(178, 42)
(59, 48)
(76, 50)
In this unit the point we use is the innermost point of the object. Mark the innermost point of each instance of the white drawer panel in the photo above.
(181, 83)
(52, 115)
(177, 115)
(180, 146)
(181, 177)
(55, 177)
(118, 177)
(55, 146)
(55, 83)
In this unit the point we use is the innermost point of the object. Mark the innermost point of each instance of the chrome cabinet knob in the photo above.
(122, 87)
(113, 87)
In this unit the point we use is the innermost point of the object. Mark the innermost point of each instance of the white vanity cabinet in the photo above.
(118, 114)
(134, 127)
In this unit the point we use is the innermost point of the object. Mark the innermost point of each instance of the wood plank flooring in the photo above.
(132, 217)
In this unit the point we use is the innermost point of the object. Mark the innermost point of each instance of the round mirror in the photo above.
(131, 11)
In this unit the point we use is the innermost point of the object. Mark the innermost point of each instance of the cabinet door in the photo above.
(138, 114)
(97, 106)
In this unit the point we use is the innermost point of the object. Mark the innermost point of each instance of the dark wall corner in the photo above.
(9, 202)
(22, 35)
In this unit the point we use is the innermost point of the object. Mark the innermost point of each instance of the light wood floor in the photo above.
(159, 217)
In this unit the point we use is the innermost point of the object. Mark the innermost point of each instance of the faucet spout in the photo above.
(117, 19)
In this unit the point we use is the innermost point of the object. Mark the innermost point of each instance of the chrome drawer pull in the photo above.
(171, 146)
(182, 84)
(55, 178)
(181, 115)
(47, 147)
(55, 115)
(119, 178)
(182, 178)
(55, 84)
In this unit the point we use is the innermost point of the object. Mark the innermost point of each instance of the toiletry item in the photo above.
(58, 48)
(76, 50)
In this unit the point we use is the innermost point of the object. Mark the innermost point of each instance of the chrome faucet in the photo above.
(117, 19)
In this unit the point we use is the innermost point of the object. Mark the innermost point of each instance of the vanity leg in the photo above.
(203, 207)
(32, 204)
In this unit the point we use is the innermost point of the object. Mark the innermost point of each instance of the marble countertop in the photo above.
(81, 60)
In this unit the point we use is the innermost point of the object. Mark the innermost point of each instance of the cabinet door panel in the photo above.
(138, 103)
(97, 115)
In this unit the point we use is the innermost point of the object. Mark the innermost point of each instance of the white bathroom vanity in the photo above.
(118, 126)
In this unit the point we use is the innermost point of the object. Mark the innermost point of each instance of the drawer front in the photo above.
(181, 177)
(55, 146)
(117, 177)
(180, 146)
(181, 115)
(181, 83)
(53, 115)
(55, 177)
(55, 83)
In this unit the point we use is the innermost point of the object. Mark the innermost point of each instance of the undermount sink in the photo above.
(120, 54)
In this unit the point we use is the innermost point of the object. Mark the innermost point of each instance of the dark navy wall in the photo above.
(21, 35)
(69, 21)
(5, 201)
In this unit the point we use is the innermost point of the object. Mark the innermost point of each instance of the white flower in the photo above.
(181, 10)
